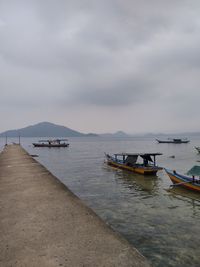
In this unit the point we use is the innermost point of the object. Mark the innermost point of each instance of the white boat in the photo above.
(51, 143)
(174, 141)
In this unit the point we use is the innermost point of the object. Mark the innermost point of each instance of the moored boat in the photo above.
(189, 182)
(174, 141)
(197, 148)
(52, 143)
(128, 161)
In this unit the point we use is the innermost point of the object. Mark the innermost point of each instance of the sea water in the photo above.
(163, 224)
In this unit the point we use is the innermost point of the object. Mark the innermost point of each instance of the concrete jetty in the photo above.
(43, 224)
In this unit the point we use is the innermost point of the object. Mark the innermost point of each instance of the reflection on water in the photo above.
(163, 227)
(193, 198)
(138, 182)
(179, 192)
(162, 223)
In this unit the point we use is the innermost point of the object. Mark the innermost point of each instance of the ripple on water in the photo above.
(162, 224)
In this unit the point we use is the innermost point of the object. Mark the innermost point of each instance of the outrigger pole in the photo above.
(6, 140)
(19, 138)
(177, 184)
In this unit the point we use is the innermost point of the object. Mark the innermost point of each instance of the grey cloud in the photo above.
(99, 53)
(113, 93)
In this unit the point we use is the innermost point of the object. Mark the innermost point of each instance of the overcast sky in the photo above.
(100, 66)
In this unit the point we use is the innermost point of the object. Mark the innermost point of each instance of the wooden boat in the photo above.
(174, 141)
(188, 182)
(197, 148)
(51, 143)
(128, 161)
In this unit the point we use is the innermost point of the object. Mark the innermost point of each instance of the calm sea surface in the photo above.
(163, 224)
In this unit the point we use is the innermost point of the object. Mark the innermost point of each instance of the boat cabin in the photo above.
(130, 159)
(194, 171)
(53, 141)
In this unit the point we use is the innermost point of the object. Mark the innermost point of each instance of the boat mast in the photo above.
(154, 160)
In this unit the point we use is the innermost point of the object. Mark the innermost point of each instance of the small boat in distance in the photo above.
(51, 143)
(189, 182)
(128, 161)
(174, 141)
(197, 148)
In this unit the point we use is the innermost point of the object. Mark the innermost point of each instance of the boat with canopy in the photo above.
(129, 162)
(174, 141)
(52, 143)
(197, 148)
(191, 182)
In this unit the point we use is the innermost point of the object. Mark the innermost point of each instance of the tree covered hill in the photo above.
(44, 129)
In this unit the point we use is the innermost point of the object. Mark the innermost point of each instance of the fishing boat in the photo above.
(197, 148)
(128, 161)
(174, 141)
(190, 182)
(51, 143)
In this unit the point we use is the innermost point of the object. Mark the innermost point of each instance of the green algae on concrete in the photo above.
(42, 223)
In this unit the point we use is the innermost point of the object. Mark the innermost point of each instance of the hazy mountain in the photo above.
(172, 135)
(44, 129)
(47, 129)
(117, 134)
(121, 134)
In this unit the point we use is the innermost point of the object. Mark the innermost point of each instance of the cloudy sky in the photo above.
(100, 66)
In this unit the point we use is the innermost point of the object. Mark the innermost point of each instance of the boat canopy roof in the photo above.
(132, 157)
(53, 140)
(138, 154)
(194, 171)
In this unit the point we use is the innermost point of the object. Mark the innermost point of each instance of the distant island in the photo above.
(48, 129)
(45, 129)
(117, 134)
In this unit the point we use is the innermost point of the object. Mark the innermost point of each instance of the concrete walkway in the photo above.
(42, 223)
